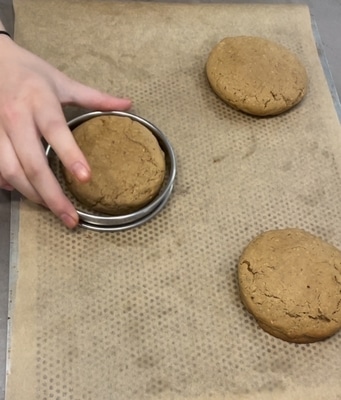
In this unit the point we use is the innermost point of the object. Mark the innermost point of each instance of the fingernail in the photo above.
(8, 187)
(81, 172)
(69, 221)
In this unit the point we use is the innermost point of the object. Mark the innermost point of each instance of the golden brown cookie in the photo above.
(290, 280)
(128, 166)
(256, 75)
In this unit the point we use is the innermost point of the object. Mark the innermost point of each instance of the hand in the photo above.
(32, 93)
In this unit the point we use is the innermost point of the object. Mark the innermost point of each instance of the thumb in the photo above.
(90, 98)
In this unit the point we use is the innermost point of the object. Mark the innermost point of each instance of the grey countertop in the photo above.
(327, 16)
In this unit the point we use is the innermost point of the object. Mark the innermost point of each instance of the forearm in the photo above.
(7, 16)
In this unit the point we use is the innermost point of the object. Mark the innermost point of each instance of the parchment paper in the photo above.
(154, 312)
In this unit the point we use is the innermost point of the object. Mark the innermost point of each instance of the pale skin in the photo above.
(32, 93)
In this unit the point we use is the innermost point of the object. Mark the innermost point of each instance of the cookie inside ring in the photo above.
(127, 165)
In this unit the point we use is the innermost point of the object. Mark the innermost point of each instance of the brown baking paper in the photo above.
(154, 312)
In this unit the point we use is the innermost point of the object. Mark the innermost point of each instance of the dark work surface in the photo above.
(7, 15)
(4, 277)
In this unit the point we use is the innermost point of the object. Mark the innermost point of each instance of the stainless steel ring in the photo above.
(108, 223)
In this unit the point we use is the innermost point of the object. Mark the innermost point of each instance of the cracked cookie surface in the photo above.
(127, 164)
(290, 280)
(256, 75)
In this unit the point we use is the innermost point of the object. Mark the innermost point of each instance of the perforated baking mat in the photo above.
(154, 312)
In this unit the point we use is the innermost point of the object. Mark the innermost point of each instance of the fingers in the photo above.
(57, 134)
(4, 184)
(84, 96)
(12, 173)
(32, 175)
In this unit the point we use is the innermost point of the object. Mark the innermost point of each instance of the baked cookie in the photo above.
(127, 164)
(290, 280)
(256, 75)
